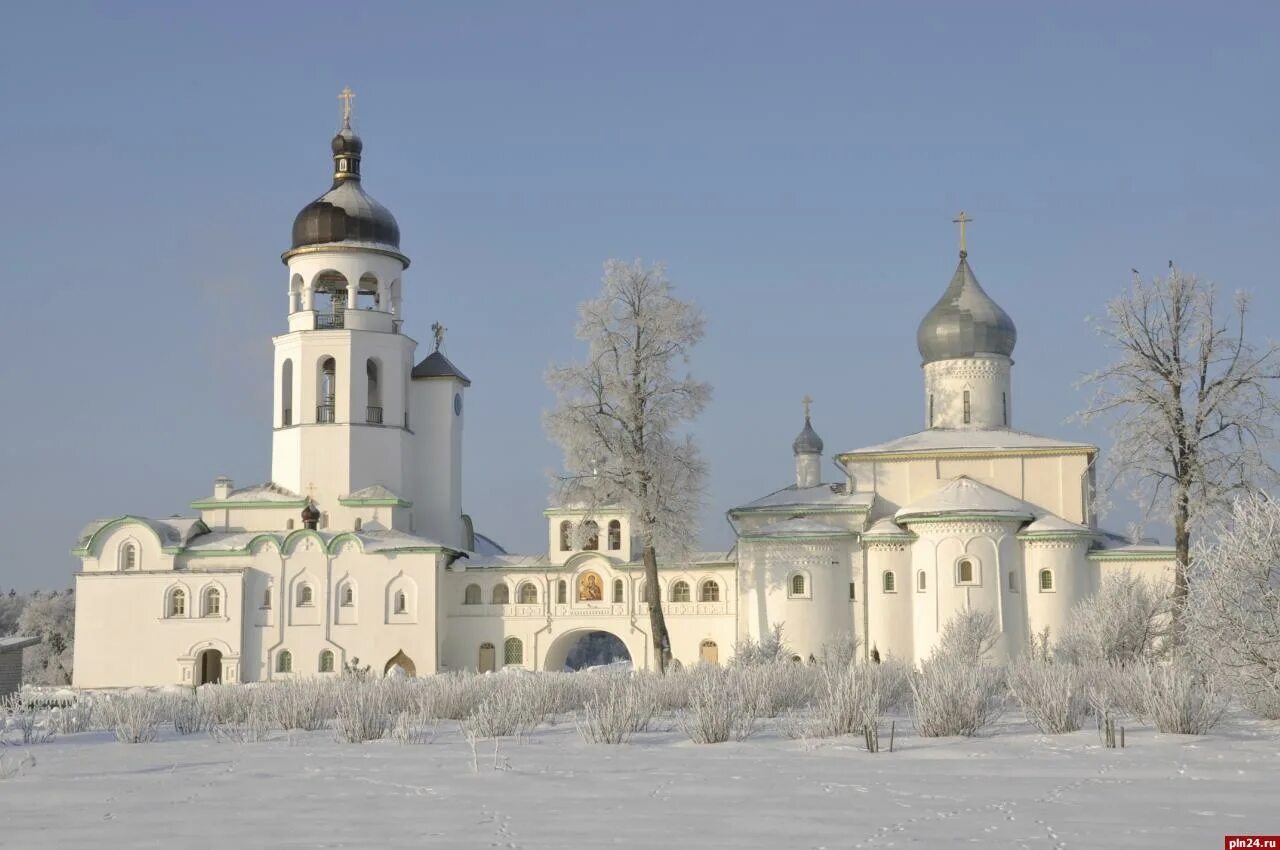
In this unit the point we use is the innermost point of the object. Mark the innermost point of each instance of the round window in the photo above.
(457, 404)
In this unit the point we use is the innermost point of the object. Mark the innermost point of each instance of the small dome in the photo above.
(346, 213)
(808, 443)
(965, 322)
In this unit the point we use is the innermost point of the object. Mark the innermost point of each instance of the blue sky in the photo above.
(797, 167)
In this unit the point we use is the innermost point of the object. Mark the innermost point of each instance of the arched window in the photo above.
(680, 591)
(471, 596)
(890, 583)
(1046, 580)
(327, 390)
(284, 661)
(401, 605)
(708, 652)
(212, 602)
(965, 572)
(591, 535)
(501, 594)
(178, 603)
(348, 596)
(373, 410)
(326, 661)
(286, 394)
(797, 586)
(966, 407)
(648, 595)
(528, 593)
(513, 651)
(562, 592)
(922, 581)
(1013, 582)
(128, 556)
(266, 599)
(709, 592)
(566, 535)
(306, 596)
(615, 535)
(617, 590)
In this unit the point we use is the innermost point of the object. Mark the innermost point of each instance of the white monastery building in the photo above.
(358, 546)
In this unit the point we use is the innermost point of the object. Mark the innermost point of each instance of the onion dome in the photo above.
(808, 442)
(965, 321)
(310, 516)
(346, 213)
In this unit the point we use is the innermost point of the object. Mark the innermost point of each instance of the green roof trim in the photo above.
(220, 504)
(974, 517)
(1122, 555)
(374, 503)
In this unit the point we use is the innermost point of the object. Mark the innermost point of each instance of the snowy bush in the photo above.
(951, 697)
(1126, 620)
(1233, 613)
(1052, 696)
(969, 636)
(134, 718)
(719, 707)
(619, 706)
(75, 716)
(848, 701)
(187, 714)
(26, 718)
(361, 710)
(506, 712)
(304, 703)
(410, 727)
(779, 686)
(1180, 699)
(1114, 689)
(771, 649)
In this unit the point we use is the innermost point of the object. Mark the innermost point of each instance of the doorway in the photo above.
(209, 668)
(488, 658)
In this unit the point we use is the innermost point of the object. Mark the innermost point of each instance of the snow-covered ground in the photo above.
(1011, 788)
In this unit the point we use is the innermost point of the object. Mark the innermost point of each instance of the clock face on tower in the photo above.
(457, 404)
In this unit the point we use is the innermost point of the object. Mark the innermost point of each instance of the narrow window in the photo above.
(501, 594)
(528, 593)
(401, 603)
(964, 571)
(212, 602)
(1013, 582)
(1046, 580)
(566, 532)
(305, 596)
(357, 524)
(327, 391)
(288, 524)
(680, 591)
(266, 599)
(562, 592)
(128, 557)
(284, 662)
(890, 583)
(1004, 407)
(178, 604)
(966, 407)
(853, 592)
(709, 592)
(617, 590)
(930, 410)
(922, 581)
(348, 596)
(373, 408)
(513, 651)
(615, 535)
(591, 533)
(326, 661)
(798, 585)
(471, 596)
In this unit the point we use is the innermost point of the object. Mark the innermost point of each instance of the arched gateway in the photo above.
(584, 647)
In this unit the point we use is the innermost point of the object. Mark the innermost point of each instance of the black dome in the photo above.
(346, 213)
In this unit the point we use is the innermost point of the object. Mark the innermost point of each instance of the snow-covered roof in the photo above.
(372, 539)
(886, 527)
(823, 497)
(267, 491)
(799, 527)
(14, 642)
(965, 439)
(172, 531)
(486, 545)
(1113, 545)
(1054, 524)
(966, 496)
(373, 493)
(506, 560)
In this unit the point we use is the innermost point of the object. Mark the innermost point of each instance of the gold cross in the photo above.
(962, 220)
(806, 401)
(346, 96)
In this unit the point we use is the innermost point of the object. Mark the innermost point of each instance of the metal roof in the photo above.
(436, 365)
(965, 321)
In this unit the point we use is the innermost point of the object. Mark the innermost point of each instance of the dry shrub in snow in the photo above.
(75, 716)
(720, 705)
(1114, 689)
(410, 727)
(952, 697)
(1233, 614)
(619, 706)
(1126, 620)
(361, 709)
(1179, 698)
(134, 718)
(25, 717)
(771, 649)
(969, 636)
(305, 703)
(779, 687)
(187, 713)
(1051, 695)
(848, 701)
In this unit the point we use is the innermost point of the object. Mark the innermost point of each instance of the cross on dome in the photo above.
(346, 96)
(962, 220)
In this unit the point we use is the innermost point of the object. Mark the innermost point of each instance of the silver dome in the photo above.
(965, 322)
(808, 443)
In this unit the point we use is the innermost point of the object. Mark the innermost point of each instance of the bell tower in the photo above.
(341, 390)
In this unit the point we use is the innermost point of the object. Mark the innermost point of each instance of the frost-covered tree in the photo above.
(11, 605)
(619, 417)
(1125, 621)
(1190, 400)
(1234, 608)
(52, 619)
